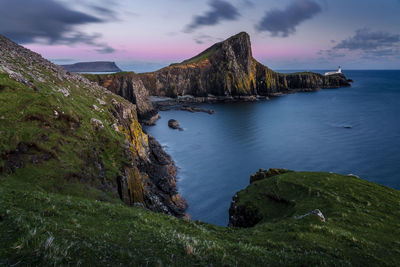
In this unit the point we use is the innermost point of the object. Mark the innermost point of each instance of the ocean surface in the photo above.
(216, 154)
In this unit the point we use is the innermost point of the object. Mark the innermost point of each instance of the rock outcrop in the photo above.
(130, 87)
(97, 66)
(174, 124)
(316, 213)
(82, 132)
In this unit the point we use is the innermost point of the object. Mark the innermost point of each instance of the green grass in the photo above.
(200, 57)
(27, 119)
(362, 227)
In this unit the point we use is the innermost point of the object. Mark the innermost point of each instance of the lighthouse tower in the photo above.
(334, 72)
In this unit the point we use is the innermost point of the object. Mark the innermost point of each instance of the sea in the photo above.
(353, 130)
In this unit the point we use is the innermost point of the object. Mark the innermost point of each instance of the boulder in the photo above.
(316, 212)
(174, 124)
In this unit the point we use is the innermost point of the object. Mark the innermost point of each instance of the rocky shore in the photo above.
(225, 72)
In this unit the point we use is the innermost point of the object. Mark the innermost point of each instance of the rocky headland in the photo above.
(225, 72)
(228, 69)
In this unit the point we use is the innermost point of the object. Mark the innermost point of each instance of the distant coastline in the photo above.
(96, 66)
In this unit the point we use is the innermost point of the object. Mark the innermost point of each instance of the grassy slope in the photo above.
(27, 117)
(200, 57)
(363, 222)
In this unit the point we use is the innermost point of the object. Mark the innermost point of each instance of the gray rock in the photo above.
(174, 124)
(64, 91)
(316, 212)
(97, 124)
(101, 102)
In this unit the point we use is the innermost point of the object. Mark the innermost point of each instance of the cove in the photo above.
(347, 130)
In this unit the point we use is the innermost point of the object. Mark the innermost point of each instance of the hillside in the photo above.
(361, 228)
(97, 66)
(67, 135)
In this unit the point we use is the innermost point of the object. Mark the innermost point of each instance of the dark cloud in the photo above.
(367, 40)
(204, 38)
(331, 53)
(284, 22)
(366, 44)
(26, 21)
(103, 11)
(220, 10)
(105, 50)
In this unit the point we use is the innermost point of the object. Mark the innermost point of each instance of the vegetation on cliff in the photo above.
(64, 134)
(130, 87)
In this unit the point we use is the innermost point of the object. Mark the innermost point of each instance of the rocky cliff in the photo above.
(67, 134)
(229, 69)
(130, 87)
(97, 66)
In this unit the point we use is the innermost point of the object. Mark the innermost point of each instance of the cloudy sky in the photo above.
(143, 35)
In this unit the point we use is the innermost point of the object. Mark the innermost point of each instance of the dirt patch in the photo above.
(23, 154)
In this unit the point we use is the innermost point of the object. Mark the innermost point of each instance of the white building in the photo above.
(334, 72)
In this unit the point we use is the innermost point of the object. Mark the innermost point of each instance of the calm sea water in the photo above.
(217, 153)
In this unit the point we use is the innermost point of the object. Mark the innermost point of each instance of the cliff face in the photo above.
(229, 69)
(70, 135)
(98, 66)
(226, 68)
(131, 88)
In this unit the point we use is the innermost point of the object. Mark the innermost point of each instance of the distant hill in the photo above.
(96, 66)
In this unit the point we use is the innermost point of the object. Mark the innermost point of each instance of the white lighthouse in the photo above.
(334, 72)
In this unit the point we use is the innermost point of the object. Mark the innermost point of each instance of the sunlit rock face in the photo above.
(229, 69)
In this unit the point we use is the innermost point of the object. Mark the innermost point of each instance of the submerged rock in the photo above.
(197, 109)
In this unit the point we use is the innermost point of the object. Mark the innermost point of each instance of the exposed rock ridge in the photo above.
(146, 173)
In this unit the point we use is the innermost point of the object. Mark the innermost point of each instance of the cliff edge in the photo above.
(63, 133)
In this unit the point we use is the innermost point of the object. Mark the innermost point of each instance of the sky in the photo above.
(142, 35)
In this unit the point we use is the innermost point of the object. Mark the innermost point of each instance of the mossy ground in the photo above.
(28, 118)
(362, 228)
